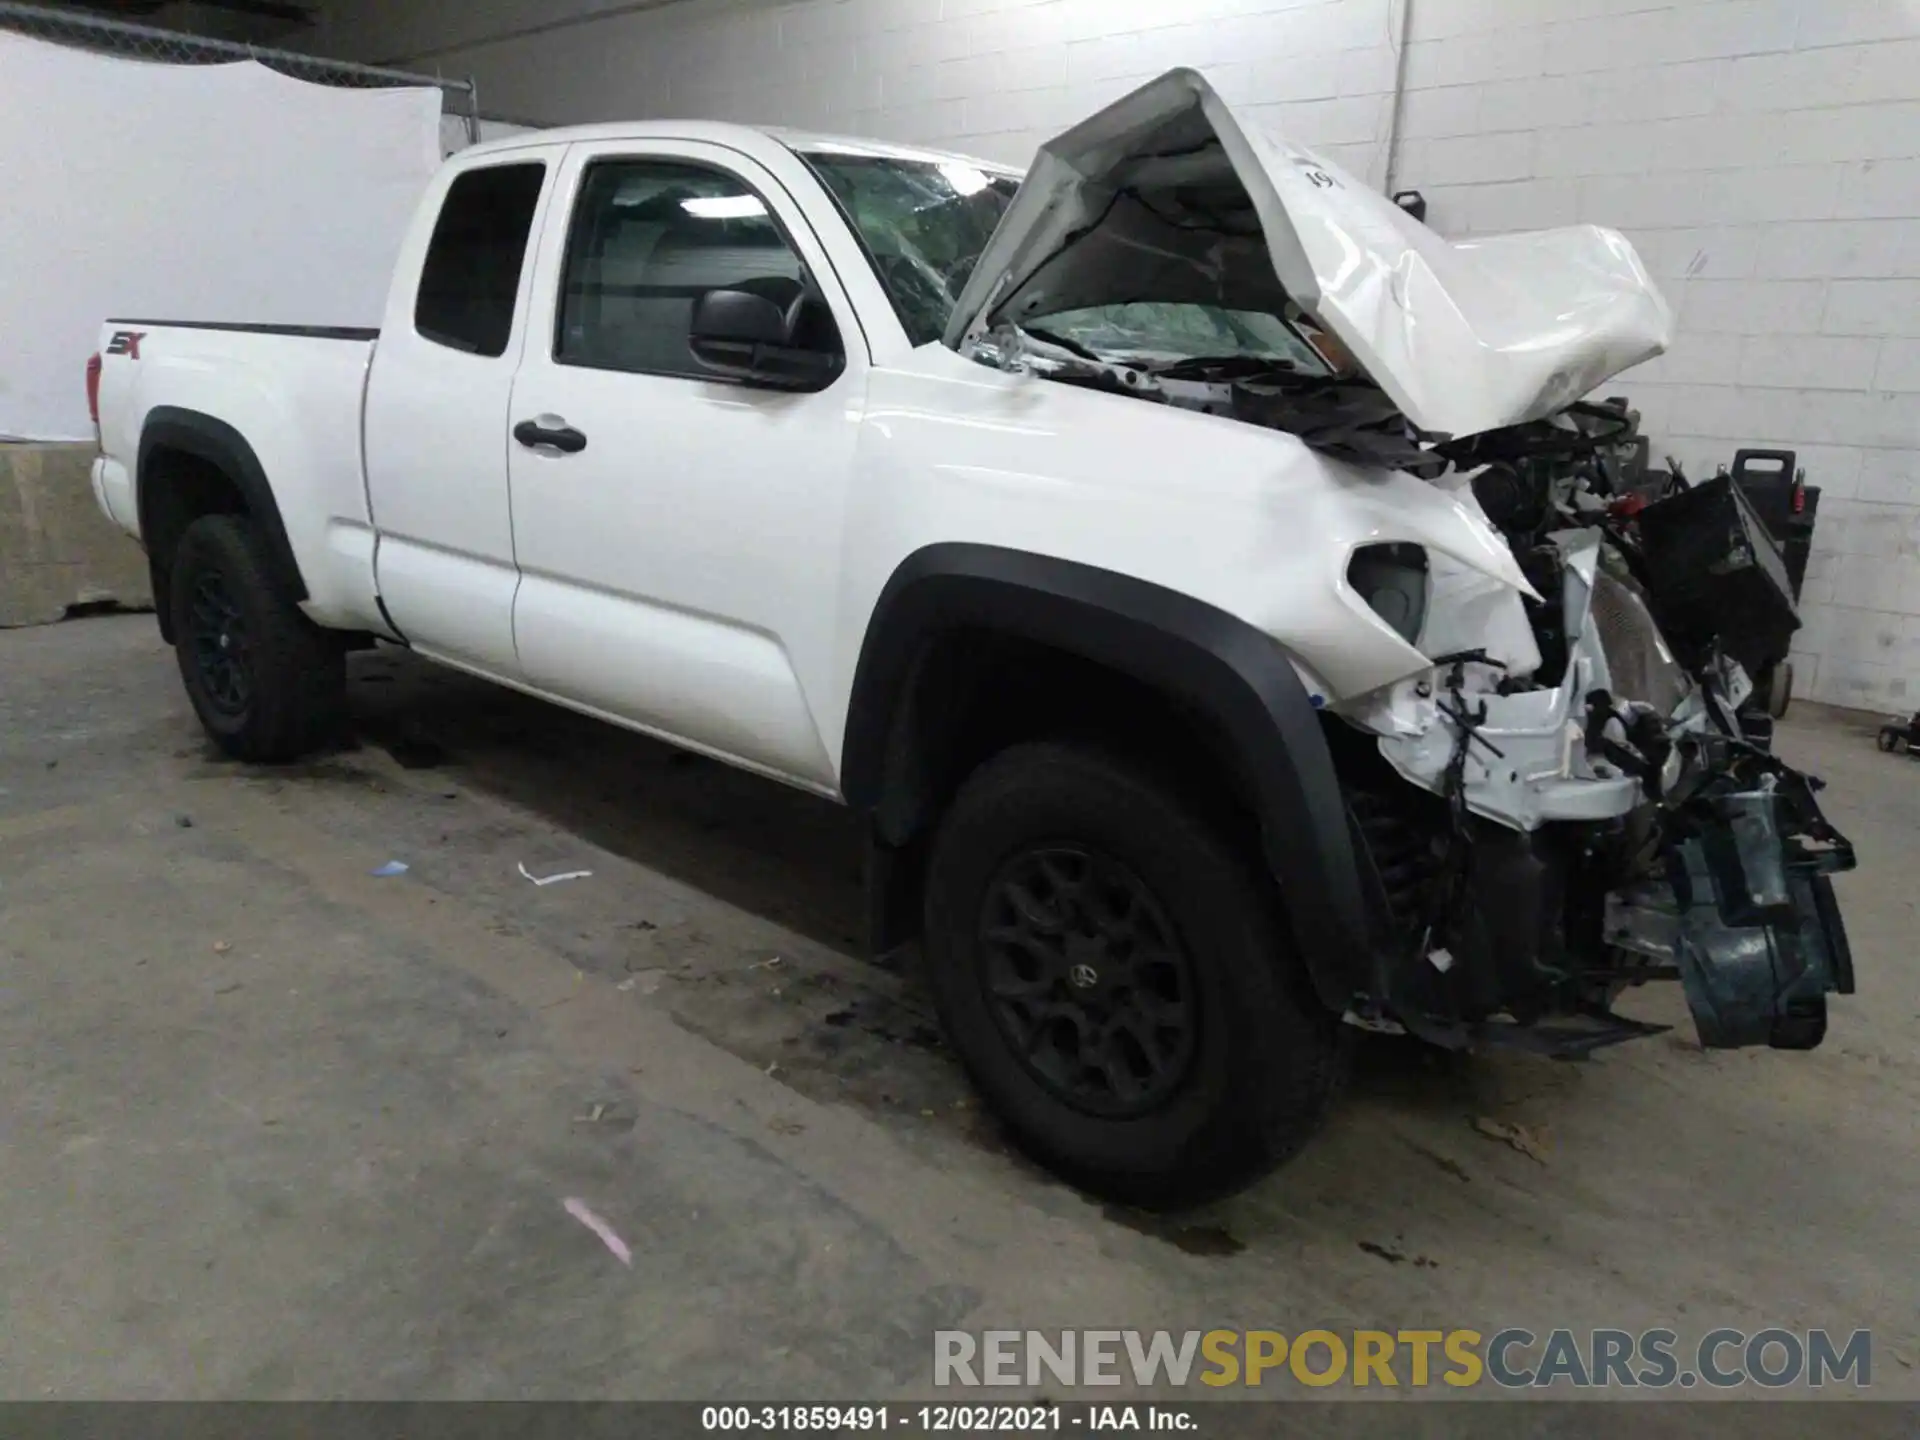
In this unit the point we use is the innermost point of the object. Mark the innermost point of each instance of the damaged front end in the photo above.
(1551, 801)
(1744, 908)
(1526, 937)
(1542, 840)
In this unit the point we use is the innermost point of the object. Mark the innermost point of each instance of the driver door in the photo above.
(678, 534)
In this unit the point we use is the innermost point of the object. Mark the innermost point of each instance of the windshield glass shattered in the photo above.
(925, 223)
(1151, 331)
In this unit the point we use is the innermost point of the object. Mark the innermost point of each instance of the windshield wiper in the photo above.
(1222, 367)
(1072, 347)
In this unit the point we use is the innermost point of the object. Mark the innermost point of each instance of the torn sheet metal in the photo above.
(1463, 337)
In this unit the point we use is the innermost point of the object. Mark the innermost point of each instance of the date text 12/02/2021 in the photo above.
(947, 1419)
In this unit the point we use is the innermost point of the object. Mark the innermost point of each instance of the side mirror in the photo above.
(749, 338)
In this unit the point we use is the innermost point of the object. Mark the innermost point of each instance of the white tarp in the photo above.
(196, 192)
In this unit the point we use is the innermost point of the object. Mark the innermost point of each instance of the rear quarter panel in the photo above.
(297, 401)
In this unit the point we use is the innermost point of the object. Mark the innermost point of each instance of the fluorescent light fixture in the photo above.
(725, 207)
(964, 178)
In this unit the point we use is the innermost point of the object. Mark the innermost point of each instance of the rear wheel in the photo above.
(267, 683)
(1118, 982)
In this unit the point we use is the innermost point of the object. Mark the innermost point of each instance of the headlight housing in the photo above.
(1638, 661)
(1392, 579)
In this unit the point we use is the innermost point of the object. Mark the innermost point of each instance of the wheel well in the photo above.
(177, 487)
(971, 694)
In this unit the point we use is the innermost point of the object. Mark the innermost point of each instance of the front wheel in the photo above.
(267, 683)
(1118, 981)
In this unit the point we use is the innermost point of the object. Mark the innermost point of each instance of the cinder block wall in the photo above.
(990, 77)
(1763, 154)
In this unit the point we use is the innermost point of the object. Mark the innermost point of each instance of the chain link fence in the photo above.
(147, 42)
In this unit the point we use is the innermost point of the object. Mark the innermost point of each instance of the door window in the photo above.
(649, 238)
(471, 279)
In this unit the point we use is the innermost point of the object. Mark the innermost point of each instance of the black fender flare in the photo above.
(191, 432)
(1235, 675)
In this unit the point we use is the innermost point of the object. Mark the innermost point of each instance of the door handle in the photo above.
(550, 432)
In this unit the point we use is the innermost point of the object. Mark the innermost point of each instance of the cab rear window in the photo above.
(472, 273)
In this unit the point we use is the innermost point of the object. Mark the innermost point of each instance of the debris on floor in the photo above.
(1397, 1257)
(221, 947)
(578, 978)
(578, 1209)
(555, 879)
(1444, 1162)
(389, 870)
(1528, 1143)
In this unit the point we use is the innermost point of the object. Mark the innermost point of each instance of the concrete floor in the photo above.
(278, 1128)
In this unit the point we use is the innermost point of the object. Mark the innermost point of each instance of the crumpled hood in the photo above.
(1462, 337)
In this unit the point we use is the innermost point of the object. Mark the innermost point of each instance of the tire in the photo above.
(1260, 1059)
(1889, 740)
(267, 683)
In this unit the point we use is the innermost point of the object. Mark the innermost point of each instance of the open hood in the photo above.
(1172, 195)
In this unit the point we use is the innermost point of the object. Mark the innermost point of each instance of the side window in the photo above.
(472, 274)
(649, 238)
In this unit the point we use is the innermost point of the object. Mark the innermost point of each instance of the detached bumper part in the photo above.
(1749, 917)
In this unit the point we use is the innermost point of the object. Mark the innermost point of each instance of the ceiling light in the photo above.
(964, 178)
(725, 207)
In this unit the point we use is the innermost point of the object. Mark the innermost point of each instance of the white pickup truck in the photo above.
(1187, 561)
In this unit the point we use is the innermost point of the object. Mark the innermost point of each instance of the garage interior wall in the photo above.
(1763, 154)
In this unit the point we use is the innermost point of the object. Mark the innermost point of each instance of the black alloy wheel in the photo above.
(1088, 981)
(1115, 972)
(221, 650)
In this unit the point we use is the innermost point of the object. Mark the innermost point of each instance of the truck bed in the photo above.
(290, 396)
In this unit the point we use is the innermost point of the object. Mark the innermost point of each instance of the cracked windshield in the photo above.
(926, 222)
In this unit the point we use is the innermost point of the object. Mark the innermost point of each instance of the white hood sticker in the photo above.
(1172, 195)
